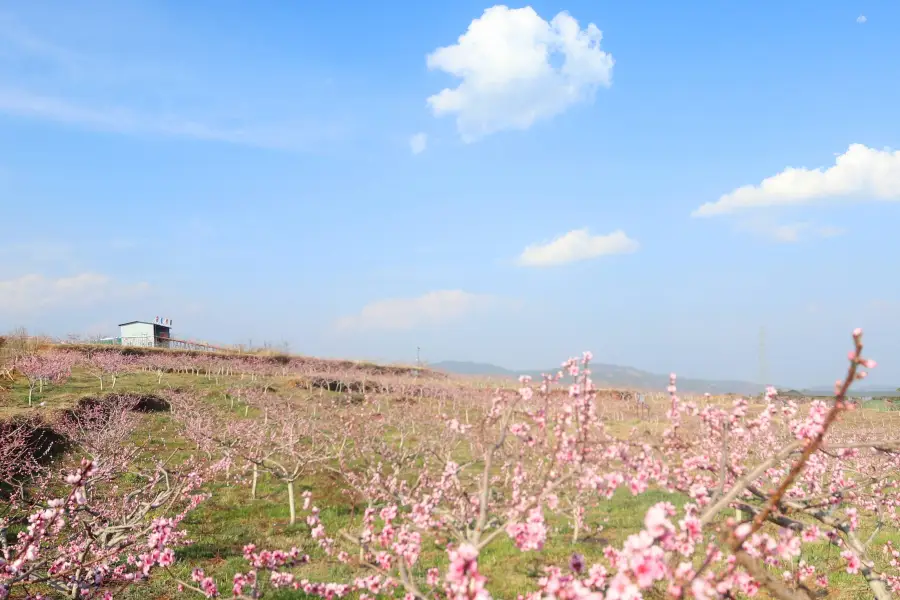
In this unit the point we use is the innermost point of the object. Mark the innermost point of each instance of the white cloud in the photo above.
(418, 143)
(34, 293)
(790, 232)
(861, 19)
(507, 61)
(575, 246)
(433, 308)
(860, 173)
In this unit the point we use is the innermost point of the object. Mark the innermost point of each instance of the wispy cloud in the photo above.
(124, 121)
(431, 309)
(861, 19)
(42, 254)
(789, 232)
(576, 245)
(76, 90)
(418, 143)
(38, 254)
(20, 40)
(35, 293)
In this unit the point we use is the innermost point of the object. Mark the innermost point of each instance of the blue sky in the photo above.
(357, 179)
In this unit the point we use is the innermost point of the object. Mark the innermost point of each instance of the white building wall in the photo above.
(137, 334)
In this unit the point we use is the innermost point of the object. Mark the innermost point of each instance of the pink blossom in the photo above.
(656, 520)
(853, 562)
(622, 588)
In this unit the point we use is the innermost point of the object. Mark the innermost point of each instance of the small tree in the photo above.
(287, 443)
(110, 364)
(49, 367)
(101, 428)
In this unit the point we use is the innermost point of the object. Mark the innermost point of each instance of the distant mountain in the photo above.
(609, 376)
(461, 367)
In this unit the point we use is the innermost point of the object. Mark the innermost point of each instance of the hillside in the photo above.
(609, 376)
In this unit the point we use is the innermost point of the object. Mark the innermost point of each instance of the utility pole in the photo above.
(418, 362)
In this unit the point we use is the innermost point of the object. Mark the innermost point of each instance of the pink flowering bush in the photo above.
(85, 544)
(19, 451)
(101, 428)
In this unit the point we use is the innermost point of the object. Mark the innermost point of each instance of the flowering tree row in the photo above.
(46, 366)
(107, 365)
(55, 367)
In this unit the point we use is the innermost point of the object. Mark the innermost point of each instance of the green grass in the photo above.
(230, 519)
(14, 395)
(881, 405)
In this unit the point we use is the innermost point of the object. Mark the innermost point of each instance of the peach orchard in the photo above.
(753, 486)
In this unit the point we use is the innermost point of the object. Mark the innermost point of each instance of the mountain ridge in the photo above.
(628, 377)
(609, 376)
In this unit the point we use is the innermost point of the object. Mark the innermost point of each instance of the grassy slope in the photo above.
(231, 518)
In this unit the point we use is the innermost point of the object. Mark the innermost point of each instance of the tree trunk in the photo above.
(255, 480)
(577, 529)
(291, 501)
